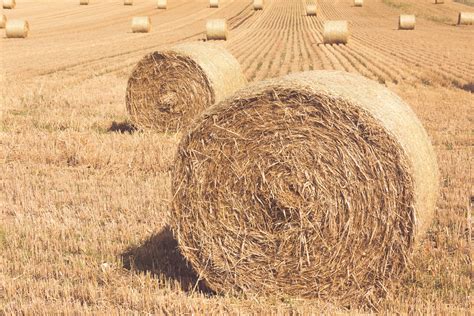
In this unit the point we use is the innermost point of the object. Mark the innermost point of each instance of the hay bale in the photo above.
(169, 88)
(216, 29)
(162, 4)
(214, 3)
(439, 1)
(141, 24)
(9, 4)
(83, 2)
(128, 2)
(258, 5)
(335, 32)
(358, 3)
(406, 22)
(466, 18)
(17, 29)
(311, 9)
(317, 184)
(3, 21)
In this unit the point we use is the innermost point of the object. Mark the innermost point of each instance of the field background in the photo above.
(84, 197)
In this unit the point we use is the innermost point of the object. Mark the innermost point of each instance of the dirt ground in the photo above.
(84, 197)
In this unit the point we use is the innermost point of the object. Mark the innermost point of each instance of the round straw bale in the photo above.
(406, 22)
(439, 1)
(128, 2)
(9, 4)
(3, 21)
(214, 3)
(162, 4)
(358, 3)
(216, 29)
(169, 88)
(335, 32)
(258, 5)
(84, 2)
(317, 184)
(17, 29)
(311, 9)
(141, 24)
(466, 18)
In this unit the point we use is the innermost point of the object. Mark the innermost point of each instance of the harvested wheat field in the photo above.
(303, 194)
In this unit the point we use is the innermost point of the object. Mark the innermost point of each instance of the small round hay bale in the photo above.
(17, 29)
(358, 3)
(439, 1)
(317, 184)
(83, 2)
(3, 21)
(169, 88)
(311, 9)
(162, 4)
(466, 18)
(336, 32)
(141, 24)
(406, 22)
(213, 3)
(9, 4)
(216, 29)
(128, 2)
(258, 5)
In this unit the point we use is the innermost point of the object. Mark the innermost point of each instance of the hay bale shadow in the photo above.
(122, 127)
(160, 256)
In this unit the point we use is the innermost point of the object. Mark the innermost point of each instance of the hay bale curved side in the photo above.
(141, 24)
(217, 29)
(84, 2)
(213, 3)
(358, 3)
(162, 4)
(17, 29)
(3, 21)
(9, 4)
(311, 9)
(169, 88)
(466, 18)
(291, 183)
(258, 5)
(336, 32)
(406, 22)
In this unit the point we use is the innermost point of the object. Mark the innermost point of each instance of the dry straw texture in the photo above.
(316, 184)
(406, 22)
(336, 32)
(17, 29)
(258, 4)
(466, 18)
(311, 9)
(162, 4)
(141, 24)
(169, 88)
(358, 3)
(3, 21)
(214, 3)
(128, 2)
(9, 4)
(217, 29)
(83, 2)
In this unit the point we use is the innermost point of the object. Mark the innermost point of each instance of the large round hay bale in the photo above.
(128, 2)
(216, 29)
(214, 3)
(17, 29)
(466, 18)
(358, 3)
(317, 184)
(406, 22)
(335, 32)
(311, 9)
(258, 5)
(162, 4)
(3, 21)
(83, 2)
(9, 4)
(141, 24)
(169, 88)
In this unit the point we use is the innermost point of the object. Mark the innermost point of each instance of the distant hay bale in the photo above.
(311, 9)
(335, 32)
(3, 21)
(258, 5)
(216, 29)
(406, 22)
(128, 2)
(141, 24)
(162, 4)
(439, 1)
(317, 184)
(83, 2)
(17, 29)
(358, 3)
(9, 4)
(169, 88)
(214, 3)
(466, 18)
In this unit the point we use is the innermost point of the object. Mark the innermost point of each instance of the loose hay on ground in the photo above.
(317, 184)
